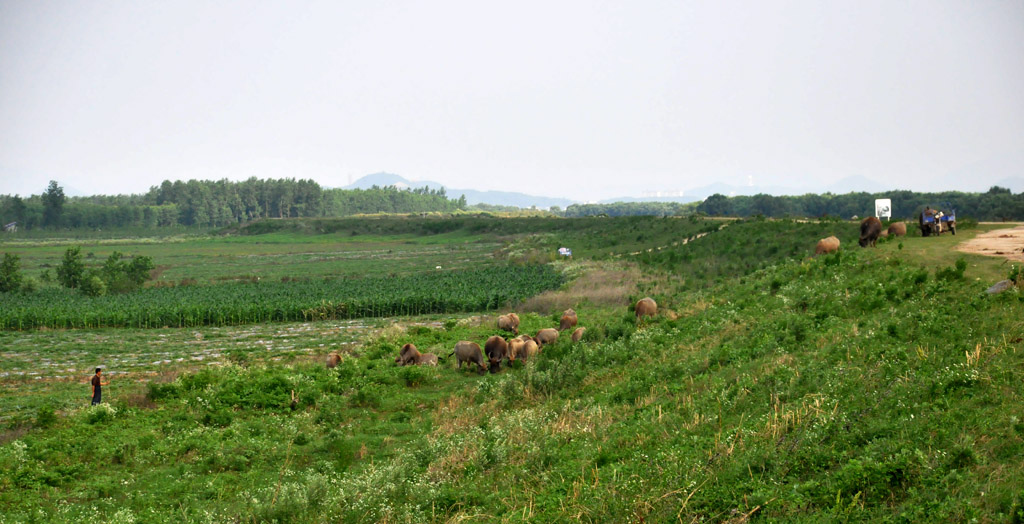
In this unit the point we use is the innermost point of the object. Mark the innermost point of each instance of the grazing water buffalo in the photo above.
(870, 229)
(516, 349)
(646, 307)
(409, 355)
(578, 334)
(466, 351)
(827, 245)
(898, 229)
(497, 350)
(333, 360)
(546, 336)
(530, 349)
(568, 320)
(509, 322)
(522, 349)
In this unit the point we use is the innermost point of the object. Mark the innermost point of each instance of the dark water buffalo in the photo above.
(509, 322)
(466, 351)
(646, 307)
(870, 229)
(409, 355)
(568, 320)
(496, 349)
(827, 245)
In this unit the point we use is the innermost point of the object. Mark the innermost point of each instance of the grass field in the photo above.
(872, 385)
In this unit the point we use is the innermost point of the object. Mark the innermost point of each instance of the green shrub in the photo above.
(417, 375)
(10, 273)
(45, 417)
(100, 413)
(93, 286)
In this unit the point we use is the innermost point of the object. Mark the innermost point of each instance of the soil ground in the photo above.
(1006, 243)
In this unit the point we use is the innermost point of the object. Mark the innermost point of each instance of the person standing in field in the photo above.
(97, 387)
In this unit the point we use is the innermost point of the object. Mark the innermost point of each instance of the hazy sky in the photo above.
(581, 99)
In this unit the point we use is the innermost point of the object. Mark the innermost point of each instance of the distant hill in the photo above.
(501, 198)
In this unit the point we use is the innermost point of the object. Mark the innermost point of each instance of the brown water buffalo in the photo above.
(827, 245)
(898, 229)
(496, 349)
(578, 334)
(333, 360)
(519, 349)
(509, 322)
(546, 336)
(870, 229)
(568, 320)
(466, 351)
(516, 349)
(409, 355)
(530, 349)
(646, 307)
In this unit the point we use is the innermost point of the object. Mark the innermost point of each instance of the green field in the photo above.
(870, 385)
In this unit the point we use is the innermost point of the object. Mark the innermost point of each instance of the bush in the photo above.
(416, 375)
(45, 417)
(93, 286)
(71, 270)
(100, 413)
(10, 273)
(29, 285)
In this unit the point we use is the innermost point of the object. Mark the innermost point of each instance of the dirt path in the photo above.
(1006, 243)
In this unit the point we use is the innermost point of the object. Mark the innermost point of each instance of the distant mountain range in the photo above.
(507, 198)
(502, 198)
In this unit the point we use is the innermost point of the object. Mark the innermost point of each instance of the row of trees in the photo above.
(996, 204)
(118, 274)
(220, 203)
(618, 209)
(215, 204)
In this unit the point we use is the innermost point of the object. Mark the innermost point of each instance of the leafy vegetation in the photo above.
(744, 247)
(619, 209)
(995, 204)
(10, 273)
(860, 386)
(202, 203)
(188, 306)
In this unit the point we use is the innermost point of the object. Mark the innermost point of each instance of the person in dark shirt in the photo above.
(97, 387)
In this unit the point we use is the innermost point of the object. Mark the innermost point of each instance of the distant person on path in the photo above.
(97, 387)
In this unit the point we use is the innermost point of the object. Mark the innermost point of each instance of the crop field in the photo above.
(240, 303)
(216, 259)
(51, 366)
(876, 385)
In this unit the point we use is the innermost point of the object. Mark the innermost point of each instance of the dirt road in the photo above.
(1006, 243)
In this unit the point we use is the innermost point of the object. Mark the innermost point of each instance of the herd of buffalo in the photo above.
(497, 348)
(871, 230)
(523, 347)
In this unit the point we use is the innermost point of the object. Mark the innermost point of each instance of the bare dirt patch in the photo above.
(1006, 243)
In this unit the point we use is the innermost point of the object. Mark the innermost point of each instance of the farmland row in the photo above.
(226, 304)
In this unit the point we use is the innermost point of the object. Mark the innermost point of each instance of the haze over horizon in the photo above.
(580, 100)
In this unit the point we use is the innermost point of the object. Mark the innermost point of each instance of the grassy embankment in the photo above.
(857, 386)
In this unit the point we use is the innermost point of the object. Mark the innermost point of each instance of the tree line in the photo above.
(206, 203)
(996, 204)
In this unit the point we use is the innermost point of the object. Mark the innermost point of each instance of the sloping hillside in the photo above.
(851, 387)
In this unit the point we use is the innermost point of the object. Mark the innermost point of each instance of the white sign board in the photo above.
(883, 208)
